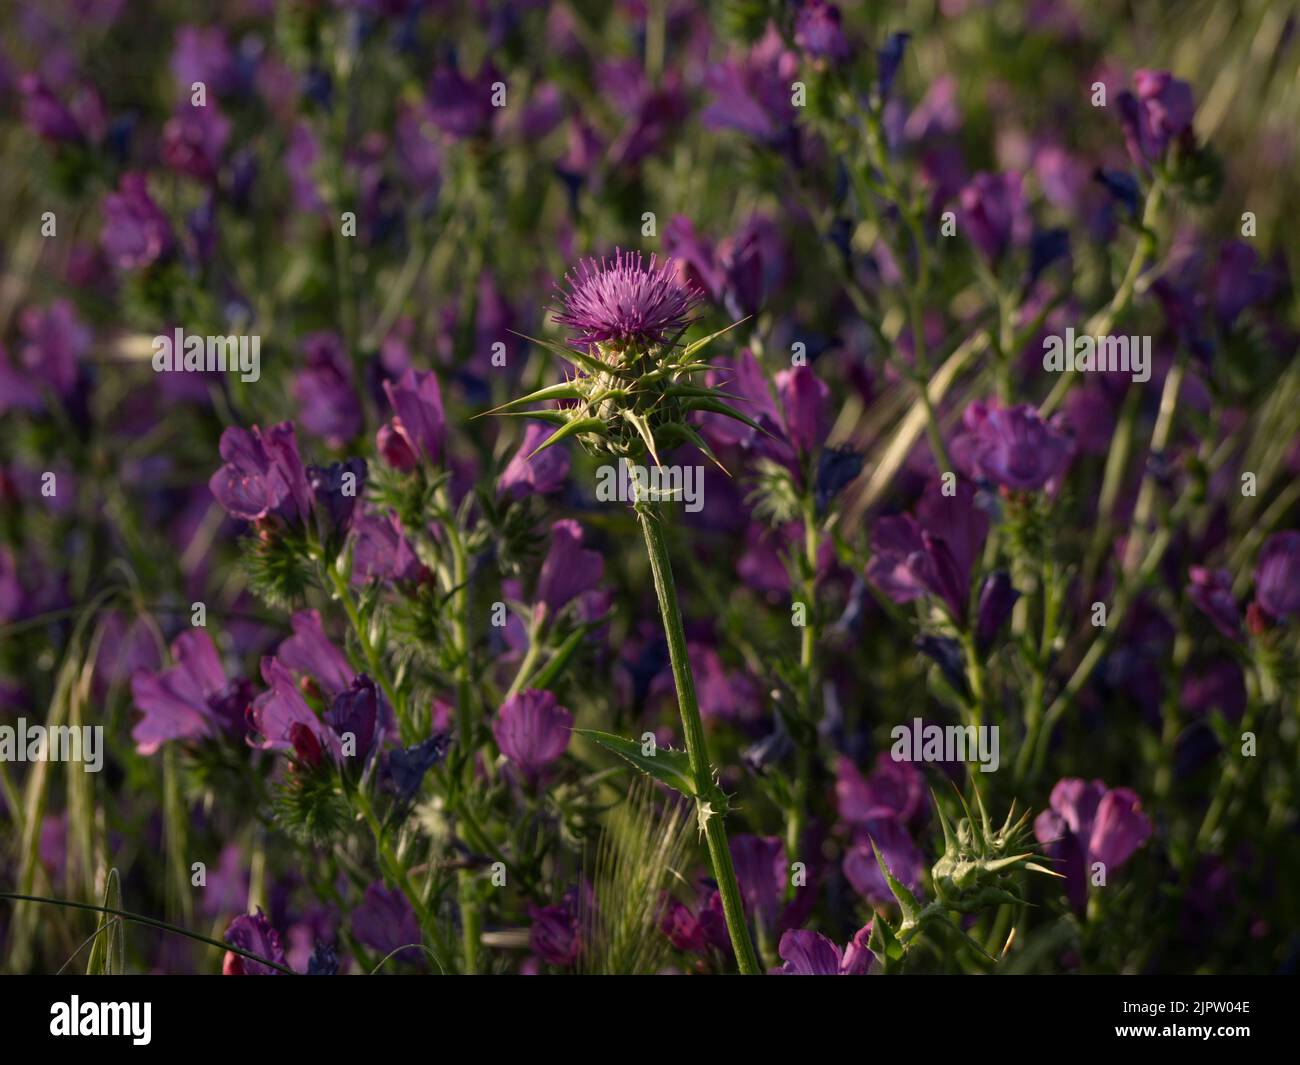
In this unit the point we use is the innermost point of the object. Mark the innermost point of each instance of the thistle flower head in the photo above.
(626, 302)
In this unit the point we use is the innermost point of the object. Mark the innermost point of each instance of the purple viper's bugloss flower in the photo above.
(262, 475)
(808, 954)
(45, 114)
(418, 428)
(997, 597)
(995, 214)
(902, 857)
(1277, 575)
(136, 233)
(1240, 281)
(1211, 591)
(889, 57)
(539, 475)
(569, 569)
(385, 922)
(532, 730)
(1160, 113)
(358, 712)
(932, 553)
(555, 936)
(1087, 824)
(335, 498)
(309, 653)
(380, 549)
(54, 343)
(193, 140)
(805, 399)
(818, 32)
(894, 789)
(1010, 446)
(327, 403)
(252, 932)
(190, 700)
(761, 873)
(459, 106)
(278, 711)
(626, 302)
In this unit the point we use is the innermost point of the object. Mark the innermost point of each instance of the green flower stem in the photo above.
(398, 874)
(1100, 324)
(796, 816)
(368, 649)
(525, 670)
(1159, 441)
(651, 519)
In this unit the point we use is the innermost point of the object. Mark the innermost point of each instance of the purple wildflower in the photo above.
(252, 932)
(136, 233)
(262, 474)
(995, 214)
(569, 570)
(1160, 113)
(418, 428)
(812, 954)
(539, 475)
(191, 700)
(1087, 824)
(328, 405)
(902, 857)
(997, 597)
(1010, 446)
(1277, 575)
(1211, 591)
(532, 730)
(385, 922)
(626, 302)
(193, 140)
(817, 31)
(555, 936)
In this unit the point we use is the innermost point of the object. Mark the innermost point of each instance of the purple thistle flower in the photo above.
(1277, 575)
(1010, 446)
(540, 475)
(252, 932)
(532, 730)
(136, 233)
(262, 474)
(385, 921)
(1087, 824)
(1211, 591)
(190, 700)
(626, 302)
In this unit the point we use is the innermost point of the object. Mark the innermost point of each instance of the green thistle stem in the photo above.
(696, 746)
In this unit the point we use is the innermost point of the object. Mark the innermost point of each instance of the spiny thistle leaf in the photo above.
(666, 766)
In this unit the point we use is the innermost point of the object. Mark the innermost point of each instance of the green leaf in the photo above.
(563, 390)
(695, 346)
(666, 766)
(573, 428)
(108, 954)
(906, 900)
